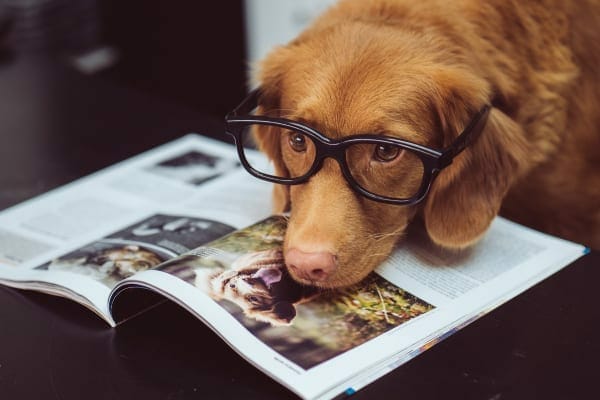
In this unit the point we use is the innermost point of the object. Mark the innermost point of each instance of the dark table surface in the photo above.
(56, 126)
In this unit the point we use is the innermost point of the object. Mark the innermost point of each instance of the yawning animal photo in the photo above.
(259, 284)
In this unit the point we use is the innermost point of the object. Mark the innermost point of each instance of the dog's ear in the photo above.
(266, 137)
(467, 195)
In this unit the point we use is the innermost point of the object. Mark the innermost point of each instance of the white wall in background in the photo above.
(274, 22)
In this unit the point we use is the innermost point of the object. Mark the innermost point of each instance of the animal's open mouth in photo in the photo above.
(263, 280)
(260, 284)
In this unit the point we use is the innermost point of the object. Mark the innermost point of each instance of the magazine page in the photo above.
(324, 343)
(79, 240)
(462, 286)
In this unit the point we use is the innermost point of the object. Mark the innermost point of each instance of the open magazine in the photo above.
(184, 222)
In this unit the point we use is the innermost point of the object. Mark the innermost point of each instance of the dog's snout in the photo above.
(315, 267)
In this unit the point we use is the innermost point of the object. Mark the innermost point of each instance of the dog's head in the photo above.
(369, 77)
(261, 286)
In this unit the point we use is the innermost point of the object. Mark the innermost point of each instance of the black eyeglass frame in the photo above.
(433, 160)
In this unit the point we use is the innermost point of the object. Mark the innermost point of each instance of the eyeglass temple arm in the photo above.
(247, 105)
(467, 137)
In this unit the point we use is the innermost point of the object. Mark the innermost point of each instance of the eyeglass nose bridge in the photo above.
(332, 150)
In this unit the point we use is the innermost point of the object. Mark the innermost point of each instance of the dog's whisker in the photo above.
(377, 256)
(382, 236)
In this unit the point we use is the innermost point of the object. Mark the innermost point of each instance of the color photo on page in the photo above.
(245, 273)
(138, 247)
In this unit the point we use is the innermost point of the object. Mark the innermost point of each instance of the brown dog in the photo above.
(420, 71)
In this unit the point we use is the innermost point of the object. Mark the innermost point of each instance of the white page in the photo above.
(188, 181)
(440, 276)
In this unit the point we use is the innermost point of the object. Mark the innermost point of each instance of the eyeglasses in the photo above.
(381, 168)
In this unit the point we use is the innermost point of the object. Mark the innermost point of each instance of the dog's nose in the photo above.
(310, 266)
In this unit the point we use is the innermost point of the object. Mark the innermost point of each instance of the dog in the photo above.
(420, 71)
(260, 285)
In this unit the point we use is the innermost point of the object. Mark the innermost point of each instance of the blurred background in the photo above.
(190, 52)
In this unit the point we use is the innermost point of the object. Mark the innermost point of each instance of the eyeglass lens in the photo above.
(379, 168)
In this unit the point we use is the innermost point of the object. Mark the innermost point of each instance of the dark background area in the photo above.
(189, 52)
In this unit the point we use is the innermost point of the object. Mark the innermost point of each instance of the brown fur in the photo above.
(420, 71)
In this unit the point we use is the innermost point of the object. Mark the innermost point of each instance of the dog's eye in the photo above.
(386, 152)
(297, 142)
